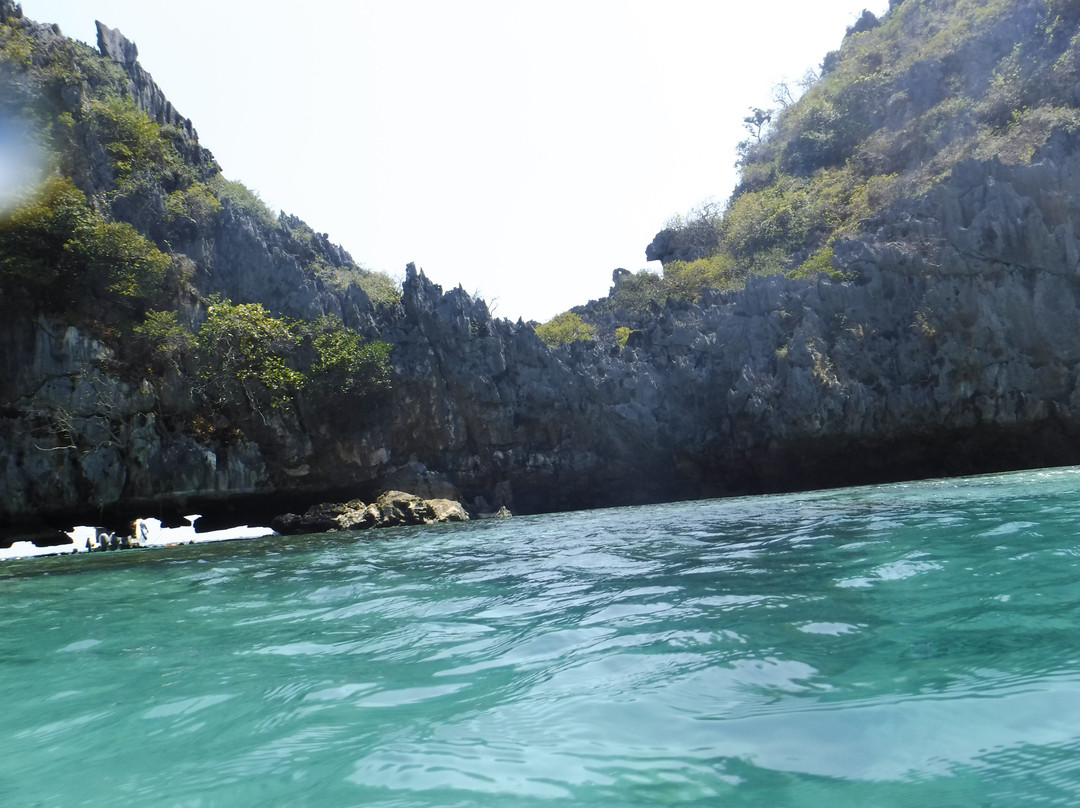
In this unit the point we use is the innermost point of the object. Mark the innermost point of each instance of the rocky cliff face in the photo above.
(953, 349)
(145, 91)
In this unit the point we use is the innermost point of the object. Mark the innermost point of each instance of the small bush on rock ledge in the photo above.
(564, 328)
(346, 365)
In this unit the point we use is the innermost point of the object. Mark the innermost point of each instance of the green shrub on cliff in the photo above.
(564, 328)
(16, 48)
(64, 254)
(239, 196)
(160, 342)
(34, 237)
(251, 359)
(820, 261)
(688, 279)
(194, 205)
(243, 356)
(775, 219)
(893, 111)
(123, 262)
(634, 293)
(345, 365)
(139, 150)
(378, 286)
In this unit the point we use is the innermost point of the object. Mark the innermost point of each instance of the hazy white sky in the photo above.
(521, 150)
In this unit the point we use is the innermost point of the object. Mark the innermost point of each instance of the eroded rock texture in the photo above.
(955, 349)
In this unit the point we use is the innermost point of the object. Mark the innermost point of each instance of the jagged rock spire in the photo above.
(116, 46)
(146, 93)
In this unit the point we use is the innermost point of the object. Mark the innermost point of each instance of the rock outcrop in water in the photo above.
(951, 347)
(391, 509)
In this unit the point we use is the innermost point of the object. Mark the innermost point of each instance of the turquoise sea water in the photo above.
(911, 645)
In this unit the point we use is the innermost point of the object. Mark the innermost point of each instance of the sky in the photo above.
(521, 150)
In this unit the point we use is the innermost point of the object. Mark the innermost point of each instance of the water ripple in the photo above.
(895, 645)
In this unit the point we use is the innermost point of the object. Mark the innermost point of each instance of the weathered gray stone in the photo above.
(116, 46)
(416, 477)
(956, 349)
(288, 524)
(323, 517)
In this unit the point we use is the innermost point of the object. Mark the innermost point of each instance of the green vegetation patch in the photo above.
(16, 48)
(195, 205)
(378, 286)
(346, 365)
(565, 328)
(249, 359)
(63, 254)
(161, 342)
(140, 151)
(239, 196)
(891, 113)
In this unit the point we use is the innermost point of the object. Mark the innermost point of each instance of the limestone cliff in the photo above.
(945, 341)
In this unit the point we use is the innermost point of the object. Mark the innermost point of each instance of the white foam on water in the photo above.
(146, 533)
